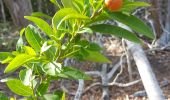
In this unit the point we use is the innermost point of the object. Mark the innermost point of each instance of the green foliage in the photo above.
(18, 61)
(133, 22)
(40, 14)
(43, 25)
(4, 55)
(115, 30)
(3, 96)
(19, 88)
(50, 44)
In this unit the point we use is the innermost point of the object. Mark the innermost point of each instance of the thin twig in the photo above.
(124, 85)
(112, 84)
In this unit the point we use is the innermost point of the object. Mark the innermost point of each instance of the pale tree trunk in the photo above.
(2, 11)
(149, 80)
(155, 17)
(18, 9)
(165, 38)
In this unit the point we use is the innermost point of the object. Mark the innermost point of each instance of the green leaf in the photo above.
(43, 88)
(18, 61)
(7, 60)
(30, 51)
(4, 55)
(3, 96)
(72, 16)
(65, 14)
(55, 2)
(74, 73)
(79, 5)
(96, 56)
(129, 6)
(40, 14)
(101, 17)
(67, 3)
(133, 22)
(51, 97)
(52, 68)
(85, 30)
(43, 25)
(60, 15)
(94, 47)
(25, 76)
(116, 31)
(63, 96)
(51, 53)
(20, 44)
(17, 87)
(33, 38)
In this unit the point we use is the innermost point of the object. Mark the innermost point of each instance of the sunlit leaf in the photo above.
(43, 25)
(18, 61)
(74, 73)
(116, 31)
(25, 76)
(33, 38)
(17, 87)
(133, 22)
(3, 96)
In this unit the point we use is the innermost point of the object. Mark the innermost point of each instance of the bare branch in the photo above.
(124, 85)
(79, 90)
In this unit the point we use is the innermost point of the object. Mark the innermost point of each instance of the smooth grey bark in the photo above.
(18, 9)
(165, 38)
(149, 80)
(2, 11)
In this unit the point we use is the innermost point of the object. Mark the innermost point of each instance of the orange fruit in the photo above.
(113, 5)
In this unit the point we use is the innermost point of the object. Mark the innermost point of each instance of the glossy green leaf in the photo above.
(60, 15)
(52, 68)
(33, 38)
(133, 22)
(94, 47)
(18, 61)
(19, 44)
(51, 97)
(43, 25)
(101, 17)
(85, 30)
(74, 73)
(25, 76)
(40, 14)
(30, 51)
(63, 96)
(45, 47)
(3, 96)
(96, 56)
(22, 32)
(78, 5)
(43, 88)
(65, 14)
(116, 31)
(17, 87)
(72, 16)
(55, 2)
(130, 6)
(7, 60)
(51, 53)
(4, 55)
(67, 3)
